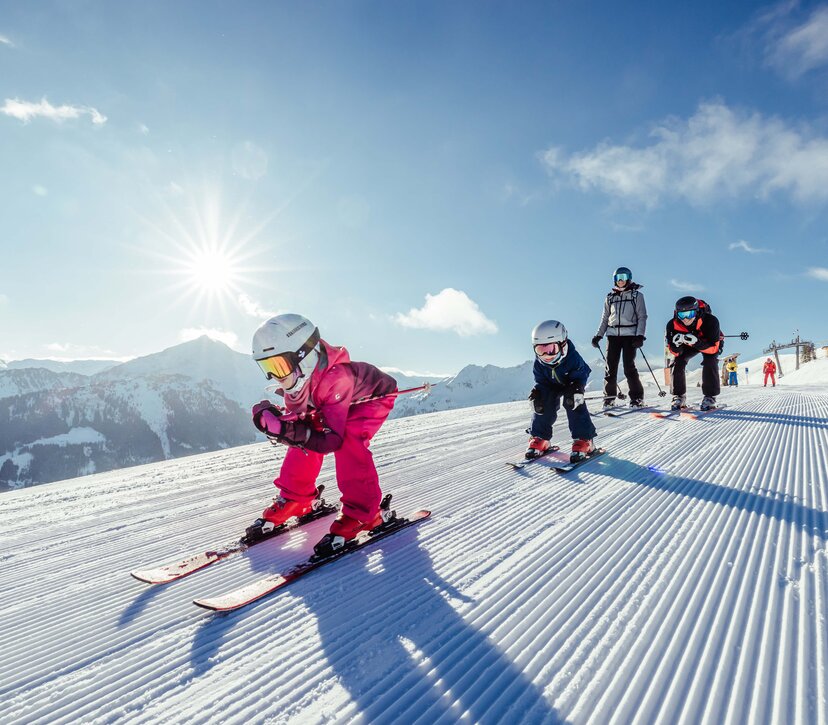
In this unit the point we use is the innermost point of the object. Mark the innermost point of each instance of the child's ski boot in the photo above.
(537, 447)
(581, 449)
(346, 528)
(273, 517)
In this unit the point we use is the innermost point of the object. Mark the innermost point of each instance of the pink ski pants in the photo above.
(356, 474)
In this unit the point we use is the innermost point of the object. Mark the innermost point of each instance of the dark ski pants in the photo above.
(580, 422)
(618, 345)
(711, 382)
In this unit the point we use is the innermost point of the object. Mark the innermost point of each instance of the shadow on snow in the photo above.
(397, 645)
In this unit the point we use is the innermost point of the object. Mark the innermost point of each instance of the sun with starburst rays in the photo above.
(213, 258)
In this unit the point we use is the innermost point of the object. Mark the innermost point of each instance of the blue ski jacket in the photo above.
(572, 369)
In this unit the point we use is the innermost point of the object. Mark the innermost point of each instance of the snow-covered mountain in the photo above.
(473, 385)
(31, 380)
(680, 578)
(81, 367)
(55, 434)
(231, 372)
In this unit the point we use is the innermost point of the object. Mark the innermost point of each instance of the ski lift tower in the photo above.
(797, 342)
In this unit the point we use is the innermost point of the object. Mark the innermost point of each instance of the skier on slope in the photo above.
(624, 321)
(560, 373)
(320, 384)
(732, 373)
(693, 329)
(769, 369)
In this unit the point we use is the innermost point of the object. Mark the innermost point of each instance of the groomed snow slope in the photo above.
(682, 577)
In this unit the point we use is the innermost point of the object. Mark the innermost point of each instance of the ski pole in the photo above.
(425, 386)
(661, 393)
(741, 335)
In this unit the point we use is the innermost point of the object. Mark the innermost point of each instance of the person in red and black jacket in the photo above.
(693, 329)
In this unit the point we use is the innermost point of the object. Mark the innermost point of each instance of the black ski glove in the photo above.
(638, 341)
(596, 340)
(292, 432)
(573, 396)
(537, 402)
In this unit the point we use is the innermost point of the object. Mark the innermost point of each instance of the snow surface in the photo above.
(681, 577)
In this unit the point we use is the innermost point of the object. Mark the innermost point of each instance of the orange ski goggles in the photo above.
(284, 363)
(279, 366)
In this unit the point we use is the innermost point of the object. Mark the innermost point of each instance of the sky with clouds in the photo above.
(425, 180)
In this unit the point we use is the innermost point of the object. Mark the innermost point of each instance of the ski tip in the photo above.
(142, 577)
(152, 576)
(210, 605)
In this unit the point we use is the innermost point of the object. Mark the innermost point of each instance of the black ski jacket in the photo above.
(705, 329)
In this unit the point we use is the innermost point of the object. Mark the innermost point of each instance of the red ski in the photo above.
(258, 589)
(693, 414)
(165, 573)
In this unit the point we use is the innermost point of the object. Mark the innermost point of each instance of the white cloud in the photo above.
(4, 40)
(686, 286)
(796, 49)
(820, 273)
(743, 245)
(449, 310)
(143, 129)
(39, 190)
(717, 153)
(27, 110)
(231, 339)
(252, 308)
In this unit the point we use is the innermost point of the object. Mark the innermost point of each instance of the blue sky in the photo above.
(425, 180)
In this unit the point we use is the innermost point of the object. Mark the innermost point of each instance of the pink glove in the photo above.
(270, 423)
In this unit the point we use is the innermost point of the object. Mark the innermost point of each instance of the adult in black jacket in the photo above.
(693, 329)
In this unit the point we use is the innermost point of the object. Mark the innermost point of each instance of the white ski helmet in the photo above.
(550, 333)
(287, 344)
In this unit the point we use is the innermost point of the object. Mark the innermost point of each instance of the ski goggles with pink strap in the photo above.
(548, 349)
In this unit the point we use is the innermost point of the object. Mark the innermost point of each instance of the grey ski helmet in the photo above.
(550, 342)
(287, 344)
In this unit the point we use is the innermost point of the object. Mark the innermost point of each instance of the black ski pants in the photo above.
(616, 346)
(711, 383)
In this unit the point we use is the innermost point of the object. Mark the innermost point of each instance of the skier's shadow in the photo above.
(138, 605)
(800, 421)
(400, 648)
(771, 504)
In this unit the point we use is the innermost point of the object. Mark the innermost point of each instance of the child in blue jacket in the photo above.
(560, 373)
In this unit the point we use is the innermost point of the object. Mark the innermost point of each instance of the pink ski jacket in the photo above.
(336, 382)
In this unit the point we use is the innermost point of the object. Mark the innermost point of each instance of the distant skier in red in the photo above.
(769, 368)
(320, 386)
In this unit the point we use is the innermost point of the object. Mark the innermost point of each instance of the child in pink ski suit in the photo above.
(324, 416)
